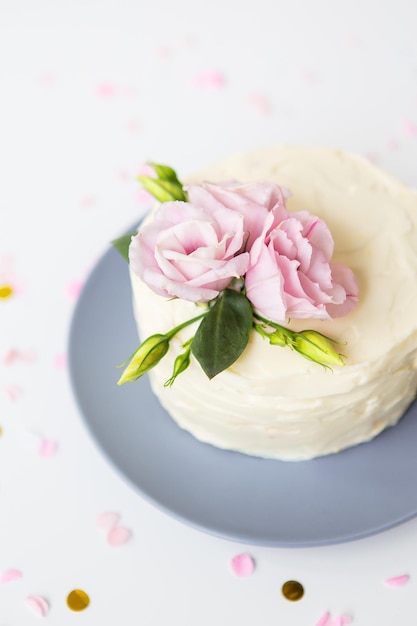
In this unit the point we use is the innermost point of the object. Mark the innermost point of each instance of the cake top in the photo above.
(234, 249)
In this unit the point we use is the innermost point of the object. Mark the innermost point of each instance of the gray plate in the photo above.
(338, 498)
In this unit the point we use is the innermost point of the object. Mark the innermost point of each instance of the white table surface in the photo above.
(89, 91)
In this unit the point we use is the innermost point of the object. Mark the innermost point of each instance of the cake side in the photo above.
(271, 402)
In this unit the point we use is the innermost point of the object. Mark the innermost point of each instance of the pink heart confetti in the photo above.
(60, 361)
(325, 620)
(243, 564)
(397, 581)
(9, 575)
(118, 536)
(108, 520)
(47, 448)
(260, 102)
(38, 604)
(14, 392)
(106, 90)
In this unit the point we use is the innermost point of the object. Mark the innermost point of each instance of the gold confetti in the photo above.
(1, 431)
(78, 600)
(6, 291)
(293, 590)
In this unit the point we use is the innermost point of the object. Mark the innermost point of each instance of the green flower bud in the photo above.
(277, 339)
(180, 364)
(163, 190)
(149, 353)
(317, 348)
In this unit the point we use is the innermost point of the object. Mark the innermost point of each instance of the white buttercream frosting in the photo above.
(272, 402)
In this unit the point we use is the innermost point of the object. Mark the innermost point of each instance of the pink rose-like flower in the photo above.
(290, 274)
(190, 251)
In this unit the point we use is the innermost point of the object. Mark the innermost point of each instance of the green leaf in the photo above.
(163, 190)
(224, 332)
(122, 244)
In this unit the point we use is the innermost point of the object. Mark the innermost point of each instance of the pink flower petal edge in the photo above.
(38, 604)
(397, 581)
(243, 564)
(10, 575)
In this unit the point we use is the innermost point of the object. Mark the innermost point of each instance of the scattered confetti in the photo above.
(78, 600)
(6, 291)
(88, 201)
(9, 575)
(108, 520)
(133, 125)
(309, 76)
(209, 79)
(397, 581)
(74, 289)
(410, 129)
(38, 604)
(27, 357)
(342, 620)
(1, 431)
(47, 448)
(325, 620)
(260, 102)
(118, 535)
(292, 590)
(14, 392)
(243, 564)
(60, 361)
(392, 144)
(106, 90)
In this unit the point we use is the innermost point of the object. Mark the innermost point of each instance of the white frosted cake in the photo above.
(271, 402)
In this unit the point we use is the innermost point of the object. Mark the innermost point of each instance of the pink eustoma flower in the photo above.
(190, 251)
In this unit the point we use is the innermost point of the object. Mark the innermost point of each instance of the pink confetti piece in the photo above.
(392, 144)
(14, 392)
(309, 76)
(9, 575)
(47, 448)
(74, 289)
(342, 620)
(108, 520)
(397, 581)
(118, 536)
(209, 79)
(410, 129)
(243, 564)
(164, 52)
(353, 41)
(106, 90)
(88, 201)
(325, 620)
(28, 357)
(260, 102)
(38, 604)
(133, 126)
(61, 361)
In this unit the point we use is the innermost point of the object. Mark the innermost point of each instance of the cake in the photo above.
(271, 402)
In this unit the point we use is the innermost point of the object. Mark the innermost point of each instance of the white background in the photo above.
(89, 90)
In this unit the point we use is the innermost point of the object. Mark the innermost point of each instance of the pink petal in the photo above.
(118, 536)
(243, 564)
(47, 448)
(38, 605)
(324, 620)
(397, 581)
(9, 575)
(108, 520)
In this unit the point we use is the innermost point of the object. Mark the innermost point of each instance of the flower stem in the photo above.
(177, 329)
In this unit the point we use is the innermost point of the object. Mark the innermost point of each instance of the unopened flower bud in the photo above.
(316, 347)
(149, 353)
(180, 365)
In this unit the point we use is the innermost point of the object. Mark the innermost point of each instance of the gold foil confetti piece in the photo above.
(1, 431)
(292, 590)
(5, 291)
(78, 600)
